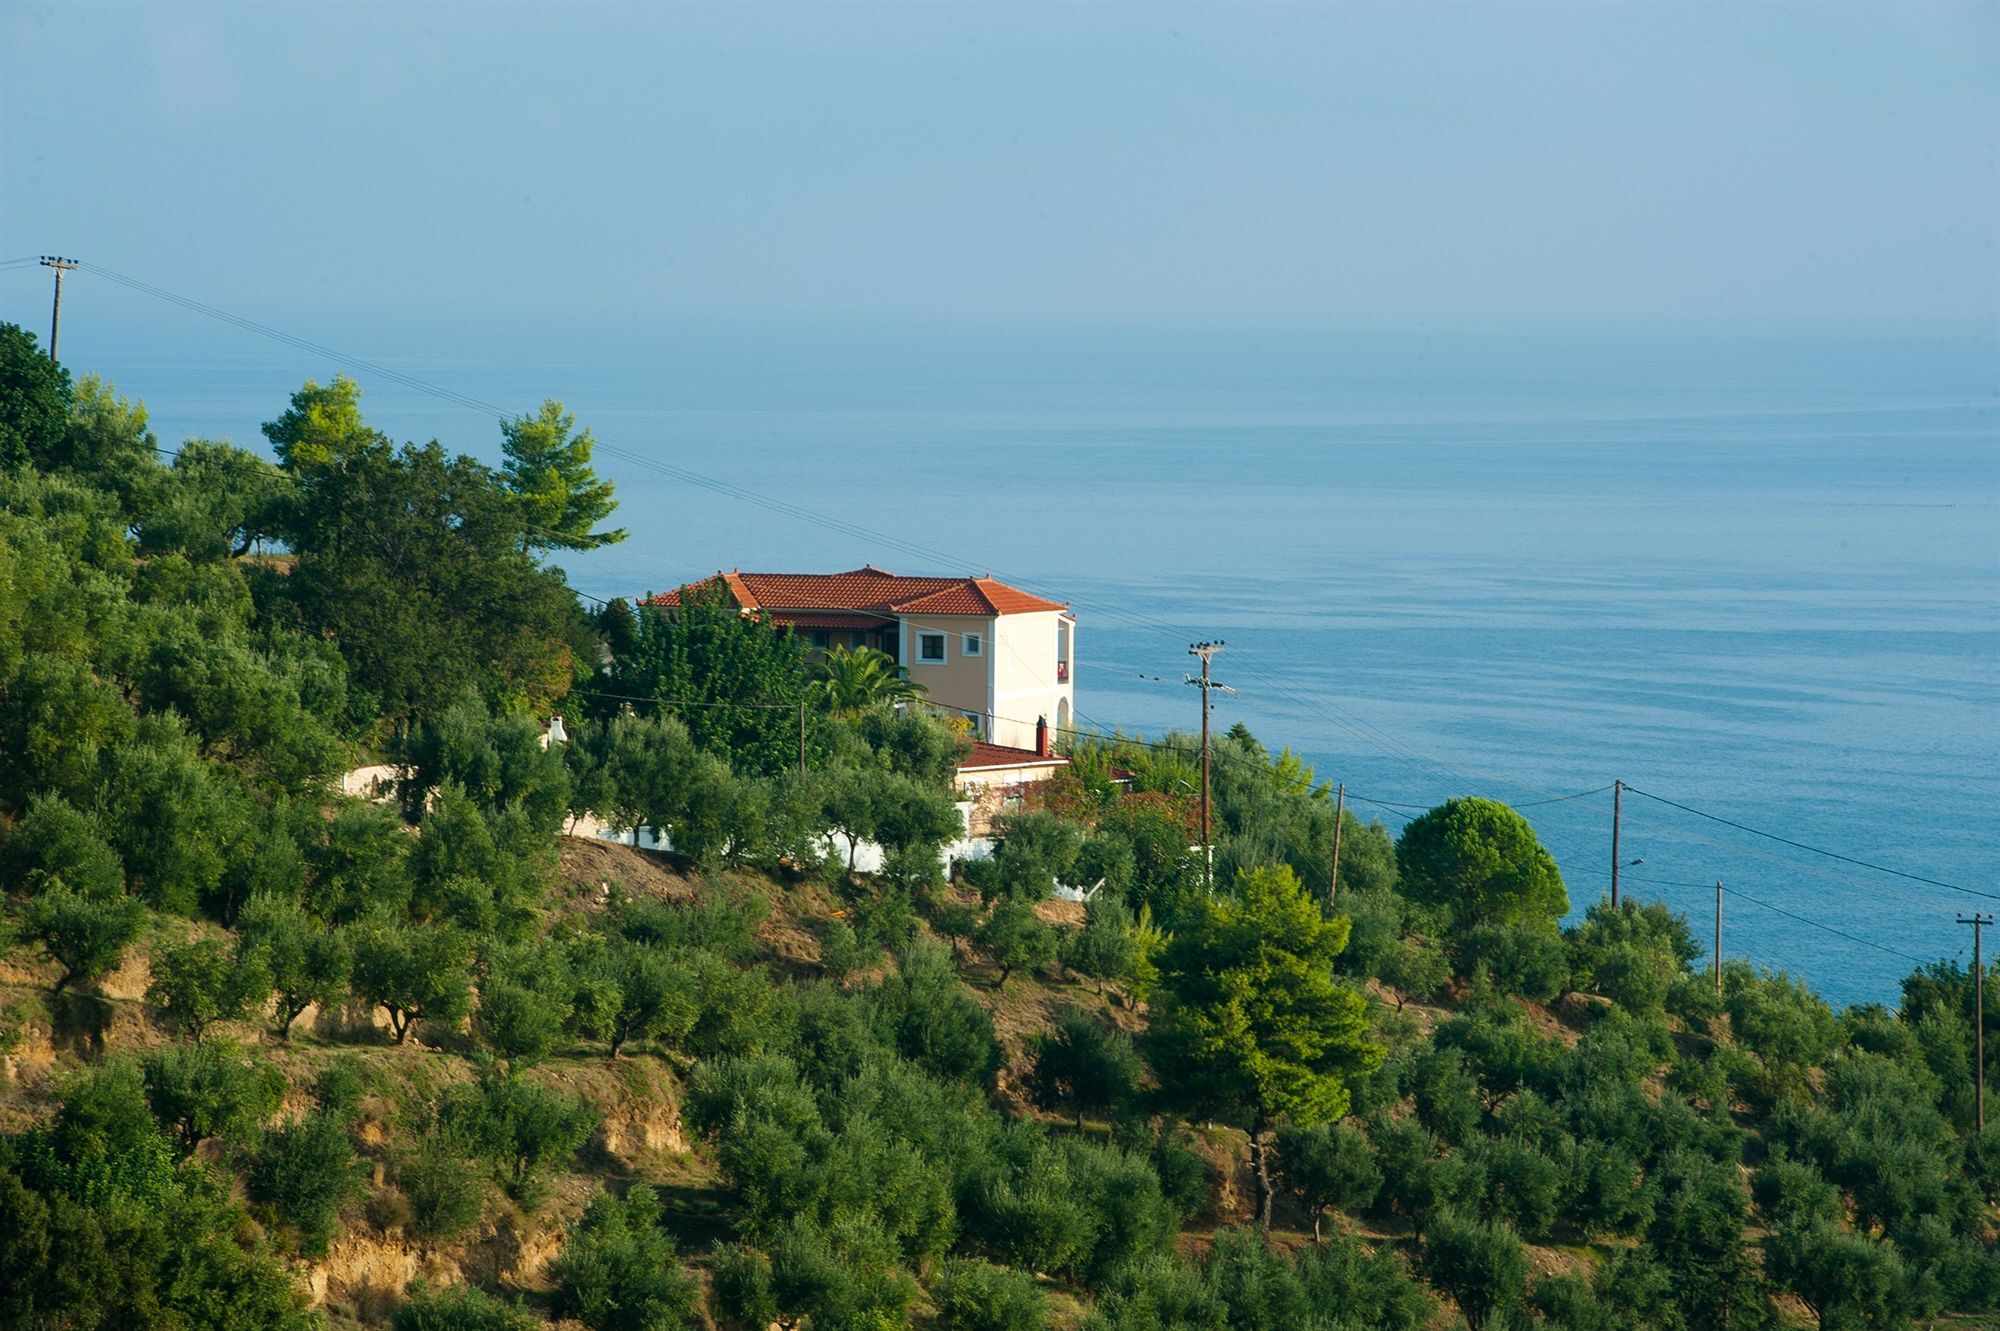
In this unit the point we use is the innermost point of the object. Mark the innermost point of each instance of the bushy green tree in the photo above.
(1253, 1021)
(57, 844)
(524, 1004)
(629, 991)
(518, 1124)
(1631, 954)
(1016, 938)
(843, 1277)
(446, 1191)
(1779, 1019)
(86, 936)
(978, 1296)
(1035, 851)
(358, 864)
(412, 561)
(99, 1227)
(1103, 949)
(1480, 1263)
(1478, 861)
(930, 1019)
(498, 759)
(34, 400)
(1845, 1279)
(1328, 1165)
(211, 1089)
(308, 961)
(1513, 959)
(619, 1271)
(177, 817)
(199, 983)
(554, 487)
(414, 972)
(1696, 1237)
(1083, 1066)
(64, 723)
(748, 674)
(304, 1171)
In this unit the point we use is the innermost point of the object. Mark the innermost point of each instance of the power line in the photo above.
(1816, 850)
(1308, 700)
(1755, 901)
(1322, 708)
(1852, 938)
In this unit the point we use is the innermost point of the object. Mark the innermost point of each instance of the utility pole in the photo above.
(61, 265)
(1617, 811)
(802, 737)
(1339, 817)
(1978, 922)
(1206, 650)
(1718, 938)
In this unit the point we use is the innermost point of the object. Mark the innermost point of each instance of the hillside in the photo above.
(280, 1056)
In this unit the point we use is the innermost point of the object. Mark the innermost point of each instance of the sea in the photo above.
(1755, 576)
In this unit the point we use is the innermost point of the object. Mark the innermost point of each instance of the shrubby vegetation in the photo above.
(930, 1095)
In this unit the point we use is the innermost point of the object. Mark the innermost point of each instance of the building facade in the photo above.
(1002, 659)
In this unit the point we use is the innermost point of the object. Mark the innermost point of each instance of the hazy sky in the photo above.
(1340, 166)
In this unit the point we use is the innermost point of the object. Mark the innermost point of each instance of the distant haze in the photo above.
(1327, 166)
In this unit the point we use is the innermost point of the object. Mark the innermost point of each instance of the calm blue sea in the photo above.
(1759, 576)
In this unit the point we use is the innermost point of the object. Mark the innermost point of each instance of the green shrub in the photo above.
(86, 936)
(976, 1296)
(619, 1272)
(517, 1124)
(461, 1308)
(1083, 1066)
(1328, 1165)
(305, 1171)
(200, 983)
(1525, 960)
(1480, 1263)
(930, 1019)
(211, 1089)
(445, 1191)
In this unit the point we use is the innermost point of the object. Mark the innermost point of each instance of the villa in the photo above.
(1000, 658)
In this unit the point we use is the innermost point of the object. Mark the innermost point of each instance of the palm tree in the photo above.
(856, 678)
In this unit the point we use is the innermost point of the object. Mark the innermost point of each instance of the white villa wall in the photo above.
(868, 856)
(1026, 649)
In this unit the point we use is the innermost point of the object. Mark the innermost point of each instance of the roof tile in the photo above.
(868, 590)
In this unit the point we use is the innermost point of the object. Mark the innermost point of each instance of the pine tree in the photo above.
(1253, 1020)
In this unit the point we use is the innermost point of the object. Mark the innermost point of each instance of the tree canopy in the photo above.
(1479, 861)
(1252, 1019)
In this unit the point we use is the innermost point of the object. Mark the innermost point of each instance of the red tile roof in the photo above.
(868, 590)
(983, 755)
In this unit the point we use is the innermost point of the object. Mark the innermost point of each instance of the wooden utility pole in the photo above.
(1718, 938)
(61, 265)
(1206, 650)
(1978, 922)
(1617, 810)
(1339, 817)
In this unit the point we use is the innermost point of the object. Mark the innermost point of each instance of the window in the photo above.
(972, 644)
(930, 647)
(972, 719)
(820, 638)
